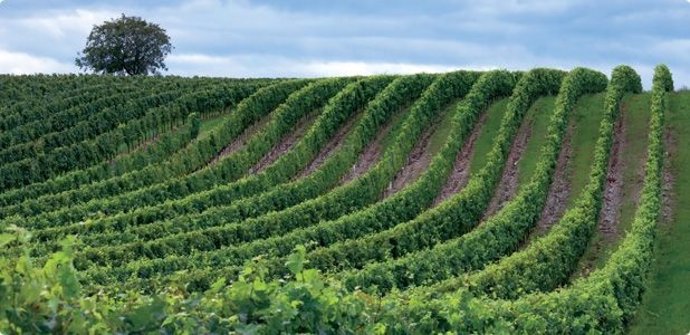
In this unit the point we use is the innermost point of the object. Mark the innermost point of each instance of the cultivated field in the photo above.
(543, 201)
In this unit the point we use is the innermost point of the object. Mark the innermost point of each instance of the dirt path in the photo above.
(141, 146)
(333, 144)
(286, 143)
(508, 184)
(559, 190)
(241, 140)
(668, 194)
(417, 162)
(461, 168)
(613, 189)
(370, 155)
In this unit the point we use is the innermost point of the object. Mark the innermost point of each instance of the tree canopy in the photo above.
(126, 46)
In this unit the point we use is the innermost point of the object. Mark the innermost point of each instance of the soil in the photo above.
(241, 140)
(333, 144)
(559, 190)
(285, 144)
(370, 155)
(613, 189)
(667, 194)
(417, 162)
(461, 168)
(141, 146)
(508, 184)
(147, 142)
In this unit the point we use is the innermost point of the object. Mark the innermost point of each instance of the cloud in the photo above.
(57, 34)
(22, 63)
(315, 38)
(276, 66)
(352, 68)
(63, 24)
(506, 7)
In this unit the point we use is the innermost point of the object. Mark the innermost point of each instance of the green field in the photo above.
(265, 206)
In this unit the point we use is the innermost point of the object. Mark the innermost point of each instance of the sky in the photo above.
(274, 38)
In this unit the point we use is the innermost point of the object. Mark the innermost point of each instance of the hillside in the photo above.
(542, 201)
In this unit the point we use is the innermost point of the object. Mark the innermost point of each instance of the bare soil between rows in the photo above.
(610, 212)
(241, 140)
(286, 143)
(668, 195)
(508, 184)
(460, 174)
(417, 161)
(559, 190)
(613, 189)
(370, 155)
(333, 144)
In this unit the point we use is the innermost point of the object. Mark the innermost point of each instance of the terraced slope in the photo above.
(471, 202)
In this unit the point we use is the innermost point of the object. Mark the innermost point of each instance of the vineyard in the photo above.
(468, 202)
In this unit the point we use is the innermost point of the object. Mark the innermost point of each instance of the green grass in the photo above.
(587, 119)
(538, 116)
(634, 159)
(213, 123)
(438, 137)
(397, 121)
(487, 134)
(666, 304)
(207, 126)
(443, 128)
(636, 125)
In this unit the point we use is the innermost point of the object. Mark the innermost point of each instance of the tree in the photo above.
(127, 45)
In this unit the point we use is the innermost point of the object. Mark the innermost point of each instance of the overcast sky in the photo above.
(322, 38)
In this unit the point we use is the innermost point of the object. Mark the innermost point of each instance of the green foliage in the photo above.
(195, 121)
(127, 45)
(373, 218)
(549, 261)
(341, 107)
(185, 161)
(48, 299)
(144, 114)
(603, 302)
(252, 253)
(342, 199)
(398, 254)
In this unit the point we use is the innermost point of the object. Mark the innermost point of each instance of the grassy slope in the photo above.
(487, 134)
(635, 125)
(633, 160)
(539, 116)
(444, 121)
(396, 123)
(210, 124)
(587, 118)
(666, 305)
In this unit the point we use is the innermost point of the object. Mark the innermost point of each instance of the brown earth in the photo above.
(417, 162)
(333, 144)
(141, 146)
(559, 190)
(508, 184)
(613, 189)
(667, 194)
(609, 216)
(241, 140)
(461, 167)
(370, 155)
(285, 144)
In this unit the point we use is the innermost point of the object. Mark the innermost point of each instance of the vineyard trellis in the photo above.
(135, 204)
